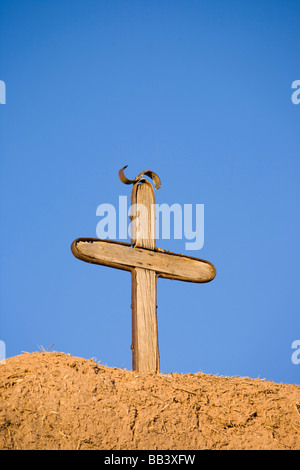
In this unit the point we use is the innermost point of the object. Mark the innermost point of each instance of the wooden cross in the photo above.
(146, 263)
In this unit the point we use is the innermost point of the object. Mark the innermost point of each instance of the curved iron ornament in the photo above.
(155, 178)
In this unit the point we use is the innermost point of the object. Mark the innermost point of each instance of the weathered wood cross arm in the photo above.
(122, 255)
(146, 263)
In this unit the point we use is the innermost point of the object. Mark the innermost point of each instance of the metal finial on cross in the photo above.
(146, 263)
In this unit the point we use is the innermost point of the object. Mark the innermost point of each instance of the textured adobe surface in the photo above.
(52, 400)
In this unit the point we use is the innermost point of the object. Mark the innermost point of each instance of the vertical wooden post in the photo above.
(145, 353)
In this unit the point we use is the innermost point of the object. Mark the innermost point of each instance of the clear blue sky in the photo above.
(200, 93)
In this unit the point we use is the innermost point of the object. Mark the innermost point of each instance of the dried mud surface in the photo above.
(51, 400)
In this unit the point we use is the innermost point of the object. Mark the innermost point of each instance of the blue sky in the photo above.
(197, 91)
